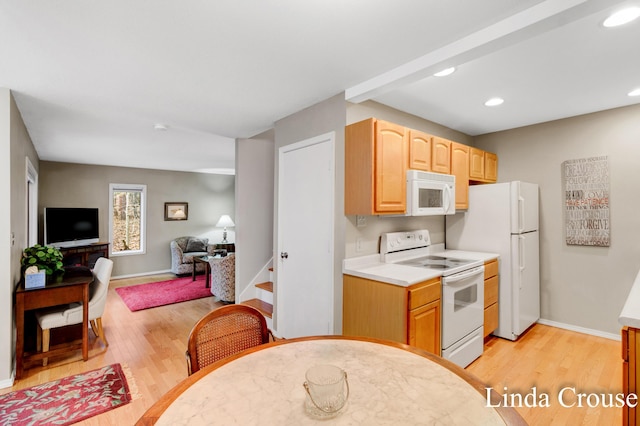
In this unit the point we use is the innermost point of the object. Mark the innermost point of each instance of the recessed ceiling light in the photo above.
(635, 92)
(160, 126)
(622, 17)
(445, 72)
(494, 102)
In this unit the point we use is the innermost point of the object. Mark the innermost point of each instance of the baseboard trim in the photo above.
(142, 274)
(7, 383)
(579, 329)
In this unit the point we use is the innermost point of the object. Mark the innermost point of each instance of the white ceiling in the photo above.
(92, 78)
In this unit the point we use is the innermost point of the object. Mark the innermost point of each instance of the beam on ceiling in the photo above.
(521, 26)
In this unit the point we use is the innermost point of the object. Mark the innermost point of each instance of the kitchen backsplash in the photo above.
(365, 240)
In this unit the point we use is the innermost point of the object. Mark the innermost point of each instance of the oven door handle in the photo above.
(451, 279)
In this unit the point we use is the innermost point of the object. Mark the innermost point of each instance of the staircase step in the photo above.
(267, 286)
(264, 307)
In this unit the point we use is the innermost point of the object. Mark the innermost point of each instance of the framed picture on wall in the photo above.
(176, 211)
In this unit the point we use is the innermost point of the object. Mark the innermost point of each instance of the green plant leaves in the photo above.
(44, 257)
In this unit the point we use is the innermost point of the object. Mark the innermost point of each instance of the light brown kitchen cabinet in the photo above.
(420, 150)
(483, 166)
(424, 327)
(441, 155)
(630, 372)
(490, 166)
(491, 289)
(476, 164)
(460, 169)
(376, 155)
(381, 310)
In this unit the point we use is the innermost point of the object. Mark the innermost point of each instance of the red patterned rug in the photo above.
(68, 400)
(151, 295)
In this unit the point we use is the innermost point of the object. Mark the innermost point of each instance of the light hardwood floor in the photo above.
(550, 359)
(151, 344)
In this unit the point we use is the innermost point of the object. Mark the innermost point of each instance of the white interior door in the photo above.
(304, 285)
(32, 204)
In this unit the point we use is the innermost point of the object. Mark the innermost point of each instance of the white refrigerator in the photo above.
(503, 218)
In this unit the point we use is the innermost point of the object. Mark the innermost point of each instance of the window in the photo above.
(127, 210)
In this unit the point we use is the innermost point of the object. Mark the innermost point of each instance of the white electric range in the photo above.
(462, 302)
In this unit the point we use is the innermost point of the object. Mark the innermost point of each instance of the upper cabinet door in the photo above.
(476, 164)
(441, 155)
(490, 166)
(460, 168)
(391, 166)
(420, 150)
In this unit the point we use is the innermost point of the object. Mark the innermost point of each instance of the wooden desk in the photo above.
(390, 383)
(72, 286)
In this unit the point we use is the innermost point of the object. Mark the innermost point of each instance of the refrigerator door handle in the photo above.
(521, 253)
(521, 210)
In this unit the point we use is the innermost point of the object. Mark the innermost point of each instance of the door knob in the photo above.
(284, 255)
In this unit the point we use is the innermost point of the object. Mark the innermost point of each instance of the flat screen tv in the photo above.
(70, 226)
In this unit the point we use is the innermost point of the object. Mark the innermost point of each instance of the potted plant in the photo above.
(43, 257)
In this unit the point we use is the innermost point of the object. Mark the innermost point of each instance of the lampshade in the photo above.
(224, 221)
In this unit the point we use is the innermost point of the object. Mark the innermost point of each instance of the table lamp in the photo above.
(224, 221)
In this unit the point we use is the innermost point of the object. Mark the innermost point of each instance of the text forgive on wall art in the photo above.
(586, 183)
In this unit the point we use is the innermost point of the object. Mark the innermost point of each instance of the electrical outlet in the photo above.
(359, 244)
(361, 221)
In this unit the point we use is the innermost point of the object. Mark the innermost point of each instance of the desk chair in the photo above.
(72, 314)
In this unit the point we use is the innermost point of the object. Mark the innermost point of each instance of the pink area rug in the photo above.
(68, 400)
(151, 295)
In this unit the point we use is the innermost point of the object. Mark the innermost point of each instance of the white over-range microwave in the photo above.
(430, 194)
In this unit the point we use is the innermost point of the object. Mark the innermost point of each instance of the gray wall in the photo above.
(80, 185)
(321, 118)
(6, 261)
(254, 206)
(15, 146)
(581, 286)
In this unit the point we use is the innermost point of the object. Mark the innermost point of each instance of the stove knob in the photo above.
(399, 240)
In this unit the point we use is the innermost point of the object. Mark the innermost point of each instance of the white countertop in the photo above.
(371, 267)
(630, 315)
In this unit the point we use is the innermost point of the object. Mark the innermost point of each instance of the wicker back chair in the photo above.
(223, 332)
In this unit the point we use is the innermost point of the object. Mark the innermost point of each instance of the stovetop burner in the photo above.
(413, 249)
(436, 262)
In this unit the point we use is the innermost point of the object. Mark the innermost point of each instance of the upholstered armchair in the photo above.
(223, 278)
(183, 250)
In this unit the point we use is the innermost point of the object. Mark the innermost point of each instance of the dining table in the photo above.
(388, 383)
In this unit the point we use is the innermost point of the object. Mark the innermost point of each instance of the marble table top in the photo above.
(388, 385)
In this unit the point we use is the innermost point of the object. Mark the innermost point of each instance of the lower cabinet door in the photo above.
(424, 327)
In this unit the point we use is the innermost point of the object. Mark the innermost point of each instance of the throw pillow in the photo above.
(197, 244)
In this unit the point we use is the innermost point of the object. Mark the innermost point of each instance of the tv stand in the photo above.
(86, 255)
